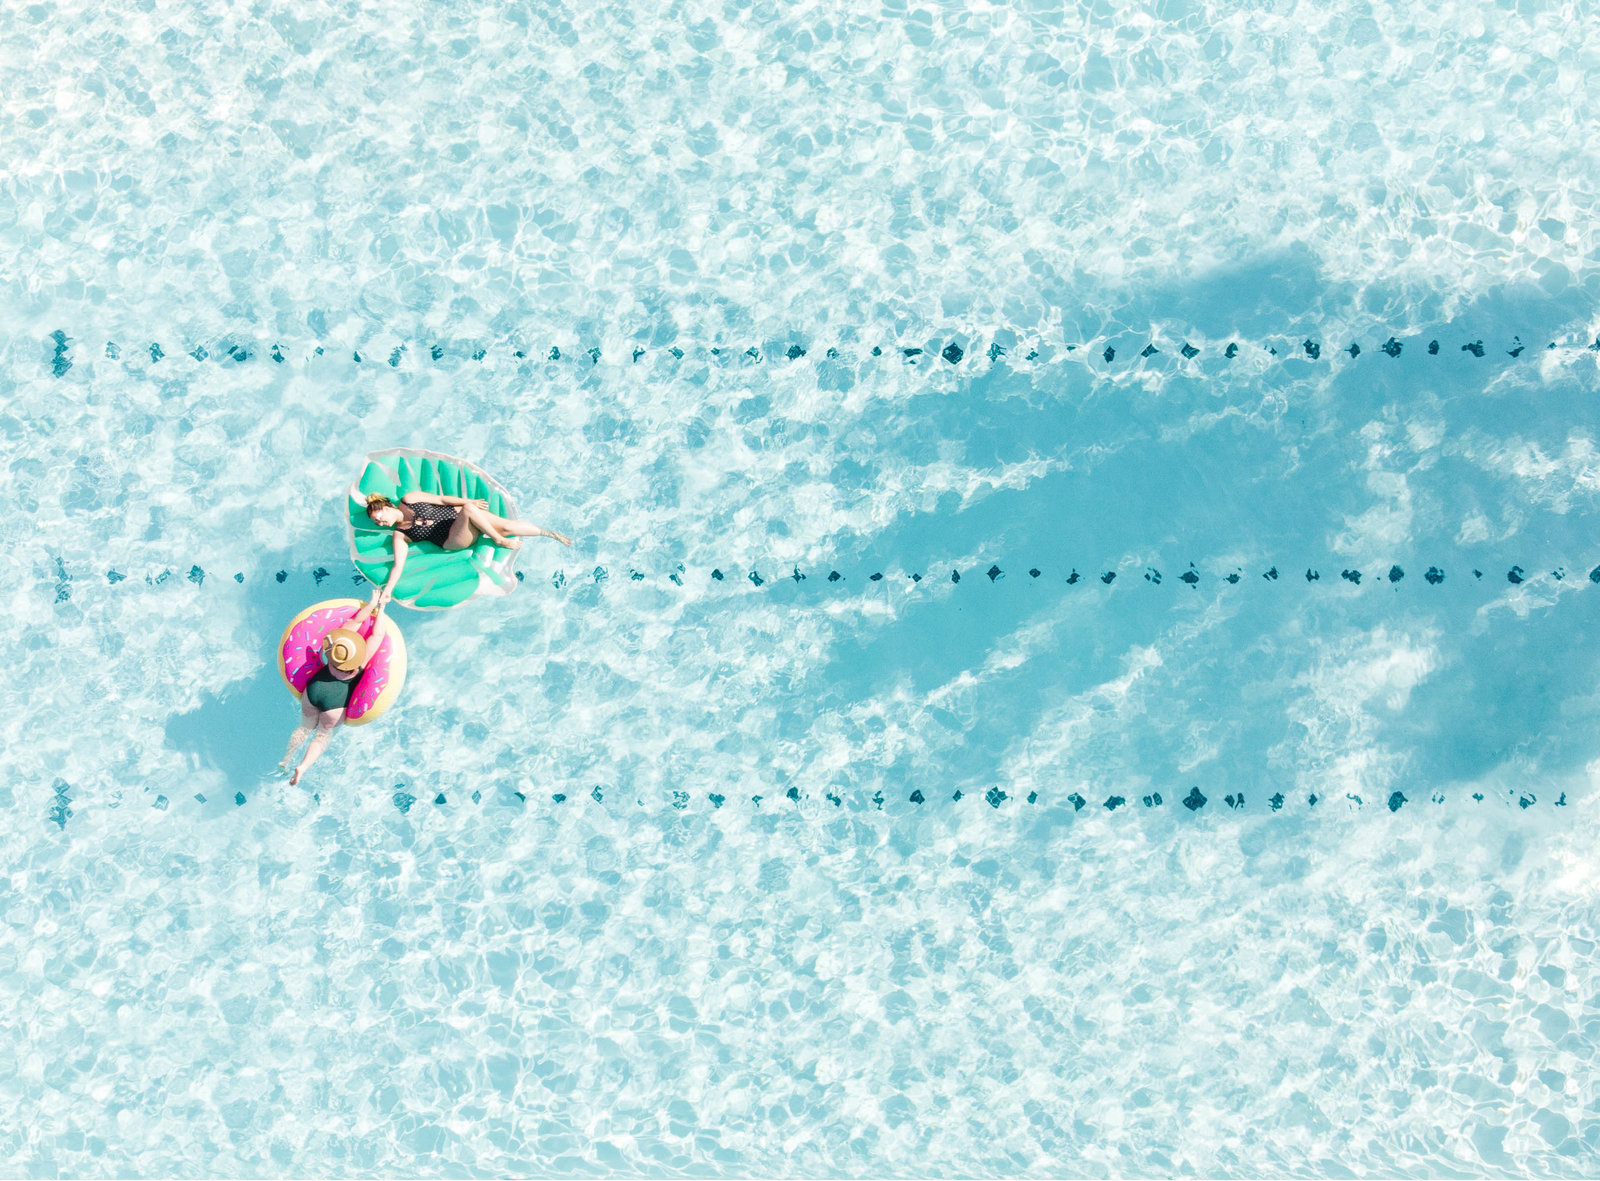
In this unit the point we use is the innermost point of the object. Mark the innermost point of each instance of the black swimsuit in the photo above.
(325, 691)
(433, 522)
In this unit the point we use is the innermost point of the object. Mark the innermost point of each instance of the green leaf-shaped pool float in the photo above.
(432, 579)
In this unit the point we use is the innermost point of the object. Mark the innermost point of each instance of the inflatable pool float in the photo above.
(432, 579)
(300, 656)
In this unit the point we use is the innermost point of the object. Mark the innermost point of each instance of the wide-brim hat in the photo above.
(346, 650)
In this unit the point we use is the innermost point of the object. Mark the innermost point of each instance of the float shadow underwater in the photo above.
(240, 730)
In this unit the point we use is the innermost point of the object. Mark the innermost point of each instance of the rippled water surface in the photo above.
(658, 871)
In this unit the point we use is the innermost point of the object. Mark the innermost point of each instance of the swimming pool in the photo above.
(846, 876)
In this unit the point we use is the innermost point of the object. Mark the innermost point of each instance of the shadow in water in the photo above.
(1163, 475)
(241, 729)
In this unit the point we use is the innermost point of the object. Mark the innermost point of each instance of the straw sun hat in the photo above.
(345, 649)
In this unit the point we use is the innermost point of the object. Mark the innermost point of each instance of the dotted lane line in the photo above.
(239, 350)
(1434, 576)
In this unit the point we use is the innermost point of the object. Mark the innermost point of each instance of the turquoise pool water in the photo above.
(956, 934)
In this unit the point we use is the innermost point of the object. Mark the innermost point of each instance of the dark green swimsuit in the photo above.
(326, 691)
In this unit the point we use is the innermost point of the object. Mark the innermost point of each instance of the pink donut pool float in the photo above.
(300, 656)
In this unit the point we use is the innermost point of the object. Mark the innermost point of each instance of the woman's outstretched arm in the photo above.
(434, 498)
(374, 604)
(387, 590)
(377, 626)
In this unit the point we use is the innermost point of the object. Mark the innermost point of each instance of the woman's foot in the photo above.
(509, 542)
(282, 769)
(294, 780)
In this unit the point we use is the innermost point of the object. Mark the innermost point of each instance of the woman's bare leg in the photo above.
(486, 523)
(327, 722)
(308, 723)
(463, 532)
(510, 528)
